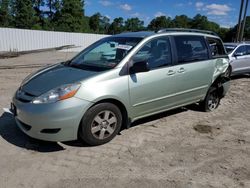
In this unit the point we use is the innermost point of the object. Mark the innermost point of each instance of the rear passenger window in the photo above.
(191, 48)
(216, 47)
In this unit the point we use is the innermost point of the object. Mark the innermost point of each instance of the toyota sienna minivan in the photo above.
(120, 79)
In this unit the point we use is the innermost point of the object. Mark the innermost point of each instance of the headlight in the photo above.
(57, 94)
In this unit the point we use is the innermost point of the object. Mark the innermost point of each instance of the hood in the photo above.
(55, 76)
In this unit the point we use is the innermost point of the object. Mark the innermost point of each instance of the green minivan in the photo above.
(120, 79)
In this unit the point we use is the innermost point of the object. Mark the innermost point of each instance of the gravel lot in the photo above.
(181, 148)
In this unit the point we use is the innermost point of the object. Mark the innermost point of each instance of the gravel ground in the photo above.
(182, 148)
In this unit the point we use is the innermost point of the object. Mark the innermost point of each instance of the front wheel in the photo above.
(100, 124)
(211, 101)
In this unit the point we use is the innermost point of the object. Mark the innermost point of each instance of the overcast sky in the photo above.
(223, 12)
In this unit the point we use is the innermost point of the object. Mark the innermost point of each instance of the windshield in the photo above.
(105, 54)
(229, 48)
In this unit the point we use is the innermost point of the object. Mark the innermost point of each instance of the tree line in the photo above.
(69, 16)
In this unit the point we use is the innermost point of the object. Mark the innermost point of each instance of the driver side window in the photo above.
(157, 53)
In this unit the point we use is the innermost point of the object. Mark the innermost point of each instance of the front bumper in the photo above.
(51, 122)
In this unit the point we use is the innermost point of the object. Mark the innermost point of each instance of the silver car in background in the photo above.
(239, 56)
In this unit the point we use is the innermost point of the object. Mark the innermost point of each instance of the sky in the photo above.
(223, 12)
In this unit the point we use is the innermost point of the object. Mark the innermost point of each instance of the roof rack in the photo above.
(186, 30)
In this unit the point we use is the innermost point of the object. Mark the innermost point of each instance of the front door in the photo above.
(149, 90)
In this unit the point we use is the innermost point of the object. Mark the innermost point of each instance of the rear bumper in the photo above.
(51, 122)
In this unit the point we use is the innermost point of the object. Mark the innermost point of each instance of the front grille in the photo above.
(24, 96)
(28, 94)
(23, 100)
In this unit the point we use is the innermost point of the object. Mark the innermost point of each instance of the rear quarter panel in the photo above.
(220, 67)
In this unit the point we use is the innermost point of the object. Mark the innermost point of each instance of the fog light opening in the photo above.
(50, 131)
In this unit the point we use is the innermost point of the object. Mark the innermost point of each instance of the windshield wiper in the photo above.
(97, 65)
(66, 63)
(76, 66)
(70, 64)
(87, 67)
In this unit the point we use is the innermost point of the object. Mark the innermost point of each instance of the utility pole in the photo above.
(244, 22)
(239, 22)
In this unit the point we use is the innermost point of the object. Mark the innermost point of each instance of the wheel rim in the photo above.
(213, 101)
(103, 125)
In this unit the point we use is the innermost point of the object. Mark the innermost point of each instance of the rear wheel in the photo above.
(100, 124)
(211, 101)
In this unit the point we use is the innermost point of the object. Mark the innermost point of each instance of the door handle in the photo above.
(171, 72)
(181, 70)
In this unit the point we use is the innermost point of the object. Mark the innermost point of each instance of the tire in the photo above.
(211, 101)
(100, 124)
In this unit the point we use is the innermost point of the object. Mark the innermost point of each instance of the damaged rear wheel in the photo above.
(211, 101)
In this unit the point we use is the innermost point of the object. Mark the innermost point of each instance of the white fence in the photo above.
(25, 40)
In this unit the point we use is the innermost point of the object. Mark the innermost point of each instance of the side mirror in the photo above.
(236, 54)
(138, 66)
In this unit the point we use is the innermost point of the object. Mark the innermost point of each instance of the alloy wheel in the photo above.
(213, 101)
(103, 125)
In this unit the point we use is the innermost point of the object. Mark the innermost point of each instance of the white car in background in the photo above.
(239, 56)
